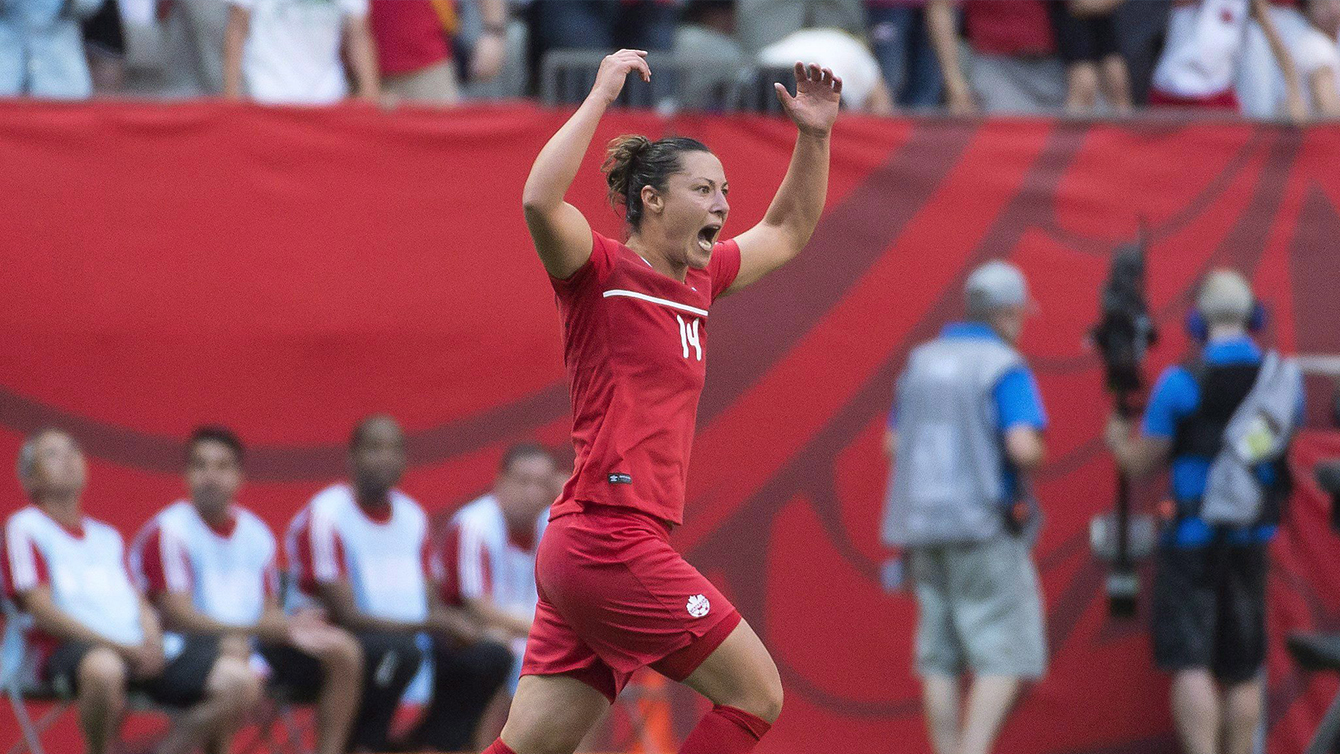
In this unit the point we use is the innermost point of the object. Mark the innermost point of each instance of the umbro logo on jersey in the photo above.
(698, 606)
(621, 479)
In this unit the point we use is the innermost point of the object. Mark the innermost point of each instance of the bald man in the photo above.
(360, 551)
(94, 636)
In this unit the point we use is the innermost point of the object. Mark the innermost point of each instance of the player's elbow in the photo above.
(1025, 449)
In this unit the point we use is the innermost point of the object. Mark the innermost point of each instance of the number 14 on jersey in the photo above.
(688, 336)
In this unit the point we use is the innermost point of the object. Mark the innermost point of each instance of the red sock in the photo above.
(725, 730)
(498, 747)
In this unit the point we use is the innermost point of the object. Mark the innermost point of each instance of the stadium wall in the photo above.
(288, 271)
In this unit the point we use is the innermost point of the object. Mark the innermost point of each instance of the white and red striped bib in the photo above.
(227, 572)
(334, 539)
(84, 568)
(479, 557)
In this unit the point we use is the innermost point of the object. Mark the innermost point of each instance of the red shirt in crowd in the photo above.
(409, 35)
(1009, 27)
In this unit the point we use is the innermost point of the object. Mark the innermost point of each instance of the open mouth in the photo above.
(708, 236)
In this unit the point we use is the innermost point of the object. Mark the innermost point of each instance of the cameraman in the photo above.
(970, 421)
(1210, 576)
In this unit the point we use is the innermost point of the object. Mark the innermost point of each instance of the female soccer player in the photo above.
(614, 596)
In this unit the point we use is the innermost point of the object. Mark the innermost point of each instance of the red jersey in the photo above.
(635, 347)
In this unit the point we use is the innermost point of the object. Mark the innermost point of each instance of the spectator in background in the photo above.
(1086, 35)
(706, 35)
(850, 60)
(902, 44)
(600, 25)
(485, 561)
(1212, 562)
(1141, 28)
(95, 636)
(414, 52)
(1203, 51)
(289, 51)
(967, 432)
(360, 551)
(765, 22)
(1318, 58)
(1261, 84)
(196, 31)
(1011, 56)
(209, 565)
(42, 48)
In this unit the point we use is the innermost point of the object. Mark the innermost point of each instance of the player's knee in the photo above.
(234, 682)
(770, 699)
(102, 674)
(763, 693)
(235, 646)
(342, 657)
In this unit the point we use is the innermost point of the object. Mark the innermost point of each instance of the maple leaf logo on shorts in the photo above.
(698, 606)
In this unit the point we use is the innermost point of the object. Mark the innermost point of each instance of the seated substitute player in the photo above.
(614, 595)
(94, 636)
(361, 550)
(486, 557)
(209, 567)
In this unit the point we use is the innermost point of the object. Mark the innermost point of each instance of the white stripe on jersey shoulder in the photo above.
(662, 301)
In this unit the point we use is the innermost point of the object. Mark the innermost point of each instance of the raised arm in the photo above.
(234, 43)
(942, 27)
(795, 210)
(561, 234)
(362, 54)
(1294, 104)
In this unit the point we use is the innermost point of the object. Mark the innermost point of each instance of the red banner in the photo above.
(289, 271)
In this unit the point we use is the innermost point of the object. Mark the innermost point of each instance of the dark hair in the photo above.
(523, 450)
(633, 161)
(222, 435)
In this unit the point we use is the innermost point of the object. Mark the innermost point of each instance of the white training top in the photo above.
(85, 570)
(333, 539)
(228, 573)
(292, 53)
(481, 557)
(1202, 49)
(847, 56)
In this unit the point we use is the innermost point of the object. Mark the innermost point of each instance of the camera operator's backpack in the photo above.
(1258, 433)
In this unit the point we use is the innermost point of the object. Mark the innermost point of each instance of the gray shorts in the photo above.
(979, 609)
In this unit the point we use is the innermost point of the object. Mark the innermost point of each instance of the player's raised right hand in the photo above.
(614, 70)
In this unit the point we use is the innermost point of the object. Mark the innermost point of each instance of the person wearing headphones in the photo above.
(1223, 423)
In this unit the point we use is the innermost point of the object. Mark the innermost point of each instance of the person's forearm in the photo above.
(799, 201)
(509, 622)
(188, 620)
(493, 14)
(55, 622)
(234, 42)
(363, 59)
(1261, 9)
(1325, 96)
(940, 25)
(556, 166)
(151, 629)
(360, 622)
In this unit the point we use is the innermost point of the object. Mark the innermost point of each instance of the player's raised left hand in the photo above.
(814, 107)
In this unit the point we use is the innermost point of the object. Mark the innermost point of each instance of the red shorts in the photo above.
(1227, 100)
(616, 597)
